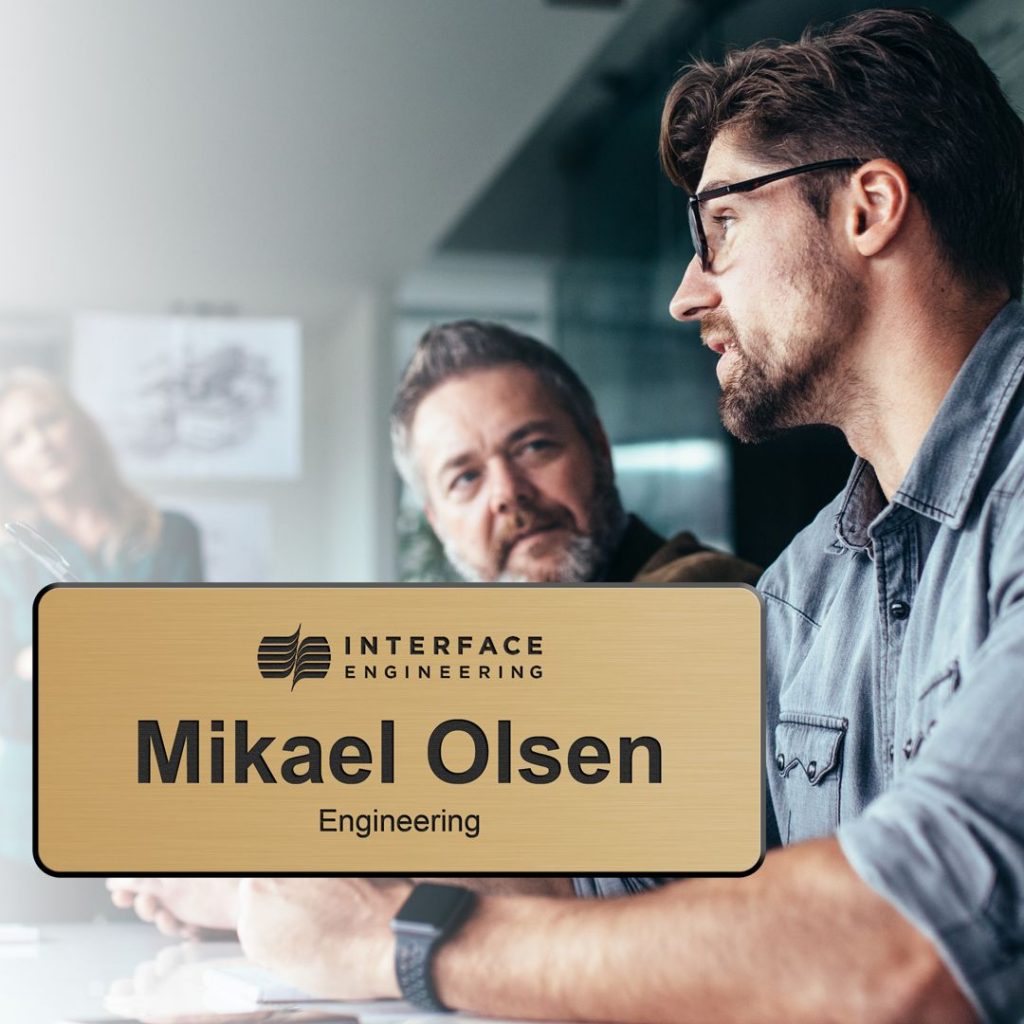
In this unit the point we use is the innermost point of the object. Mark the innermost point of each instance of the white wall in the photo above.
(359, 382)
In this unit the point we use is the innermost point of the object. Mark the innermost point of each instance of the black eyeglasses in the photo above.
(700, 239)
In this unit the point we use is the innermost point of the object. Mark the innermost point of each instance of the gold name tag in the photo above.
(399, 730)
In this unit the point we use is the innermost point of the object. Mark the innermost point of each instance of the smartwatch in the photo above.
(431, 914)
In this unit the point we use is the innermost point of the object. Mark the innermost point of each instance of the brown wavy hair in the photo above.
(900, 84)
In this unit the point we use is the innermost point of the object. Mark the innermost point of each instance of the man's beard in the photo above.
(581, 558)
(770, 390)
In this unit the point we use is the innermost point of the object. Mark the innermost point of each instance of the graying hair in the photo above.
(466, 346)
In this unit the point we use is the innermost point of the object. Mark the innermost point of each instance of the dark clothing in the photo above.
(644, 556)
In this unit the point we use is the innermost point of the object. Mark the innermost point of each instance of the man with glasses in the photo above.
(858, 214)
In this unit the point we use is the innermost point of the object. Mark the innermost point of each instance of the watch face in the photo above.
(433, 909)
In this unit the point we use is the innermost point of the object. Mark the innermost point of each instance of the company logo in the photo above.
(283, 656)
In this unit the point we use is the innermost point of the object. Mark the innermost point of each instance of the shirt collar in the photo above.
(944, 473)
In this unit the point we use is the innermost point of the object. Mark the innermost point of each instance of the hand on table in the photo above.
(171, 989)
(328, 936)
(180, 907)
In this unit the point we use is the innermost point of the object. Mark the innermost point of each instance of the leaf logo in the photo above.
(281, 656)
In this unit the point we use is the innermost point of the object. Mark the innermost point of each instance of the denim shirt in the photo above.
(895, 679)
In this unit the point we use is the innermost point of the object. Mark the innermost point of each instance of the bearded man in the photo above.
(501, 441)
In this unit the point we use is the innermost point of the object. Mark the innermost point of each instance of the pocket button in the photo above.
(812, 770)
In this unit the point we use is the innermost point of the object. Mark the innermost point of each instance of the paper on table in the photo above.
(239, 985)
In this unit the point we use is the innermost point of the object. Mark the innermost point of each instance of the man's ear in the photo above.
(429, 513)
(878, 199)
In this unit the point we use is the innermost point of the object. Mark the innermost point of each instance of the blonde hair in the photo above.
(134, 521)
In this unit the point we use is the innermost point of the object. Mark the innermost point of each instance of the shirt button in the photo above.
(908, 748)
(899, 609)
(780, 762)
(812, 770)
(892, 751)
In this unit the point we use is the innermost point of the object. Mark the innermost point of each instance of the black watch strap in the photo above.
(413, 956)
(431, 914)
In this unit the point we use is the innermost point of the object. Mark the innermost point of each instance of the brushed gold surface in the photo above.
(681, 664)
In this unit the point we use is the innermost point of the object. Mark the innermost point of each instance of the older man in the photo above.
(501, 441)
(857, 210)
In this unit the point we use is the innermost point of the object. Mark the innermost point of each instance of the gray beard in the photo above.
(580, 559)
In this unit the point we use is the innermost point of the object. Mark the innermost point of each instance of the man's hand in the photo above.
(171, 988)
(327, 936)
(180, 907)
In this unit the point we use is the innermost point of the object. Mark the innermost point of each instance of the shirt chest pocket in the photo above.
(928, 707)
(808, 774)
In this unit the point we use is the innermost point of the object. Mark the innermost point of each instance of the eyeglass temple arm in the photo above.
(767, 179)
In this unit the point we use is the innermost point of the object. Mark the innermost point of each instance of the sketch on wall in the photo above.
(193, 398)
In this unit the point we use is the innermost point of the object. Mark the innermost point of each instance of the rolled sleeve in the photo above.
(586, 888)
(609, 888)
(945, 845)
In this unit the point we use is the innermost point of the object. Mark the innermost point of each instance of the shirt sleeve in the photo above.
(627, 885)
(945, 845)
(609, 888)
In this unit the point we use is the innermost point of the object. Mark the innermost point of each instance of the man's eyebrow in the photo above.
(463, 458)
(453, 463)
(531, 427)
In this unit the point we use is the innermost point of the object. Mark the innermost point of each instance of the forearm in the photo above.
(802, 939)
(511, 885)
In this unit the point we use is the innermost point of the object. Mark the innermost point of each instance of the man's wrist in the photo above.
(505, 942)
(387, 978)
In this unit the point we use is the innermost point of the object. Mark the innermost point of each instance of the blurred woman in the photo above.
(58, 474)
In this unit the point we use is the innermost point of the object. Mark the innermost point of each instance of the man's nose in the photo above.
(508, 486)
(696, 295)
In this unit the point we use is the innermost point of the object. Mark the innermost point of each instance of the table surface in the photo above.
(101, 971)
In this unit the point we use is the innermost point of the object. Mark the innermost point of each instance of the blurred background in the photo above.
(223, 227)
